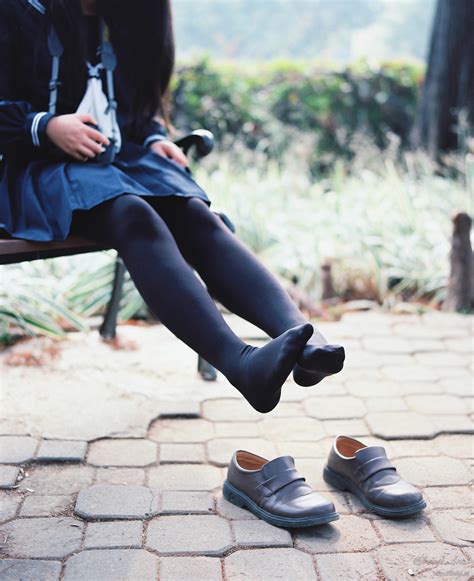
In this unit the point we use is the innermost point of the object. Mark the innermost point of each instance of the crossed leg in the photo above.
(168, 285)
(235, 277)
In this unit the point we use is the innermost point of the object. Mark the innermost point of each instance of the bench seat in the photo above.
(13, 250)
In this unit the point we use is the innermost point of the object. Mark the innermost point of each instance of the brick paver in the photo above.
(232, 512)
(179, 409)
(189, 535)
(8, 505)
(145, 502)
(26, 570)
(270, 564)
(437, 404)
(53, 538)
(184, 502)
(191, 431)
(353, 427)
(17, 449)
(415, 529)
(237, 429)
(184, 477)
(114, 535)
(47, 479)
(449, 496)
(181, 453)
(196, 568)
(123, 453)
(409, 373)
(229, 409)
(256, 533)
(111, 565)
(334, 408)
(453, 424)
(112, 475)
(385, 404)
(437, 471)
(461, 387)
(344, 566)
(287, 429)
(349, 533)
(220, 450)
(427, 561)
(45, 505)
(61, 451)
(412, 448)
(8, 476)
(104, 501)
(455, 527)
(392, 426)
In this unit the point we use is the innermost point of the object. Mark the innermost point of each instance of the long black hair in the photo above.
(145, 52)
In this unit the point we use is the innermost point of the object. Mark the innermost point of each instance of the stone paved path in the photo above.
(112, 462)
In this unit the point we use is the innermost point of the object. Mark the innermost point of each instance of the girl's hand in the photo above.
(71, 134)
(169, 149)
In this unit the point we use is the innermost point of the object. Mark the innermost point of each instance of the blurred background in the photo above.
(344, 148)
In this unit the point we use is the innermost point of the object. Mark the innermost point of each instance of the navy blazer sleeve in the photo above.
(154, 131)
(20, 124)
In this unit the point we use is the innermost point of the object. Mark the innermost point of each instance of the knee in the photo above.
(131, 216)
(199, 215)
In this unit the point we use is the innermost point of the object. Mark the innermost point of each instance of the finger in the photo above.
(85, 151)
(86, 118)
(179, 155)
(185, 159)
(77, 155)
(179, 158)
(158, 149)
(175, 154)
(97, 135)
(91, 144)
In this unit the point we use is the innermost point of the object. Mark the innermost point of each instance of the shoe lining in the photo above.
(250, 461)
(347, 447)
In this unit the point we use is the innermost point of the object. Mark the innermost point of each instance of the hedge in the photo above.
(266, 105)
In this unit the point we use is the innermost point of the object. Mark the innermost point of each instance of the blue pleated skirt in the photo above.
(38, 197)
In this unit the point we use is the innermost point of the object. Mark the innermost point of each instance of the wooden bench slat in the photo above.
(14, 250)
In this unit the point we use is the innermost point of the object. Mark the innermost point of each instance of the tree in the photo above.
(447, 98)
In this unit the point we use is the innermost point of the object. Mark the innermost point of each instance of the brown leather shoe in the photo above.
(368, 473)
(275, 491)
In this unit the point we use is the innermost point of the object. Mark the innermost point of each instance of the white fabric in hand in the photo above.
(95, 103)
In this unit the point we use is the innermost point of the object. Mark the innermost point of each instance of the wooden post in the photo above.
(328, 291)
(460, 291)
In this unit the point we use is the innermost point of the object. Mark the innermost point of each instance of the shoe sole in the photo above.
(240, 499)
(342, 483)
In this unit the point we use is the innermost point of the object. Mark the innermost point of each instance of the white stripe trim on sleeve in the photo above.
(37, 5)
(34, 128)
(151, 138)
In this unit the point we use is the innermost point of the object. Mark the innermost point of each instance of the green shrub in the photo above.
(269, 105)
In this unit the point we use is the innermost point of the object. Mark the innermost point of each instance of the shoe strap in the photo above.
(279, 481)
(372, 466)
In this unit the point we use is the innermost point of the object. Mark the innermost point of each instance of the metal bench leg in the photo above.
(109, 324)
(206, 370)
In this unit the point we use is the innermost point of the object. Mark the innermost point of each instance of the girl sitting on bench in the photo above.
(81, 85)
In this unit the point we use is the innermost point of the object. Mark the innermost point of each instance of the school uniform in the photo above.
(39, 191)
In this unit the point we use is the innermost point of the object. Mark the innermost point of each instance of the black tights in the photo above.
(158, 239)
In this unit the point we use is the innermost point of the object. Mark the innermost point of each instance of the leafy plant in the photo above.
(49, 297)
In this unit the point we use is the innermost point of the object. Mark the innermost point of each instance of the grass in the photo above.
(384, 222)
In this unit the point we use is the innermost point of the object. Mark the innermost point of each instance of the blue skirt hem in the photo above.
(38, 198)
